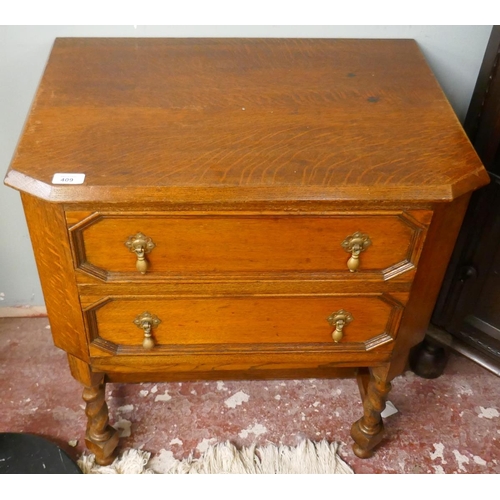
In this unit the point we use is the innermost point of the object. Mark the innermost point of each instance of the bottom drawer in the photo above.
(120, 325)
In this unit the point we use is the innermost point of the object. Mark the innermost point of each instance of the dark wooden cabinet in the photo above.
(467, 313)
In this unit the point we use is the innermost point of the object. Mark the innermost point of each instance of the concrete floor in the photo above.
(445, 425)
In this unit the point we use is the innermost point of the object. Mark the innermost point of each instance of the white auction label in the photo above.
(68, 178)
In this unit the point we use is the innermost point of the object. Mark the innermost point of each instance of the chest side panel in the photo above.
(50, 240)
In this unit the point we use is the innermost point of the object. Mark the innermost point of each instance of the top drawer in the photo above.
(110, 246)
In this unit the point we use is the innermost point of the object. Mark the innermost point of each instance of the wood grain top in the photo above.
(234, 120)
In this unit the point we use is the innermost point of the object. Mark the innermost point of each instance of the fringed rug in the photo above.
(224, 458)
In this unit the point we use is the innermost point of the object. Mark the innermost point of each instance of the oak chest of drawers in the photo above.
(228, 208)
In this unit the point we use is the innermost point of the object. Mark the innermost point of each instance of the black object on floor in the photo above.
(30, 454)
(428, 359)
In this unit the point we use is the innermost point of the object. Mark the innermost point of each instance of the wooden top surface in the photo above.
(203, 120)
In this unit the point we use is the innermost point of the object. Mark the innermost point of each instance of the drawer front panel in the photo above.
(253, 323)
(222, 247)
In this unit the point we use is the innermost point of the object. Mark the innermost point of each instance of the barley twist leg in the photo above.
(101, 439)
(368, 431)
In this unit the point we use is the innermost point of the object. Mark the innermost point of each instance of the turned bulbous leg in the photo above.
(101, 439)
(368, 431)
(428, 359)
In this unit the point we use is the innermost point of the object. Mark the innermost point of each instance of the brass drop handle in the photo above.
(147, 322)
(339, 320)
(140, 245)
(355, 244)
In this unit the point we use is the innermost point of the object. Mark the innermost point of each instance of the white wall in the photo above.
(454, 53)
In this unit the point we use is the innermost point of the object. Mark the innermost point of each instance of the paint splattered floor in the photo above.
(445, 425)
